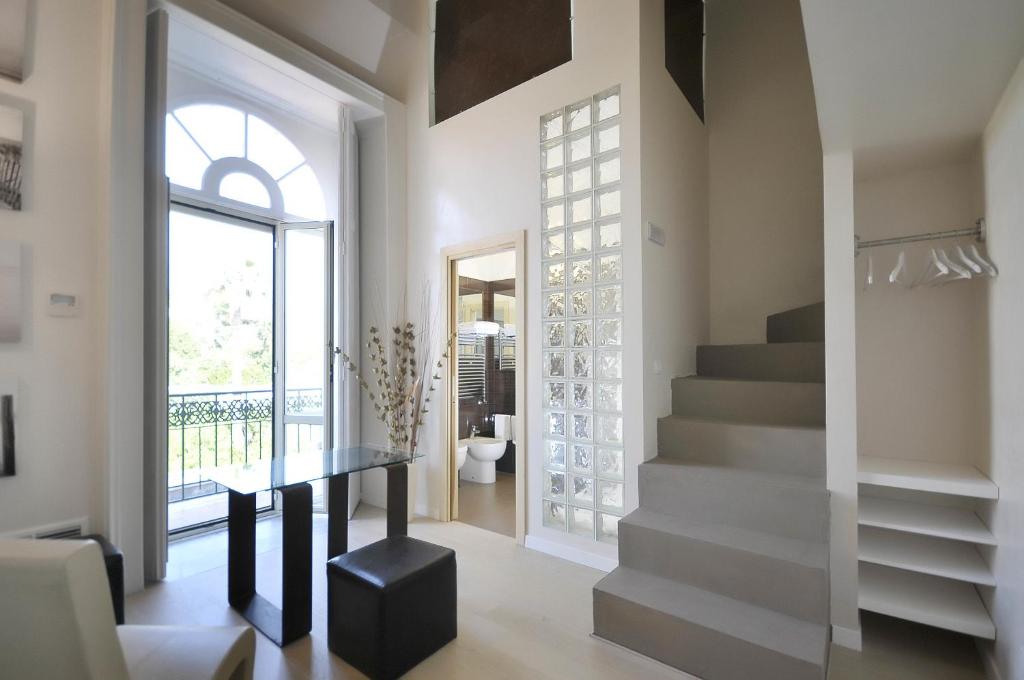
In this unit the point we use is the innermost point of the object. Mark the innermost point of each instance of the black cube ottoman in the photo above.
(391, 604)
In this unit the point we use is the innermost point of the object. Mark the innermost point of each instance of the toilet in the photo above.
(483, 452)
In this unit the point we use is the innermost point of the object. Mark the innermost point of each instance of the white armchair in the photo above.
(56, 621)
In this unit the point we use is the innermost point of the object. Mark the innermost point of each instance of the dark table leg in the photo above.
(398, 499)
(337, 516)
(295, 617)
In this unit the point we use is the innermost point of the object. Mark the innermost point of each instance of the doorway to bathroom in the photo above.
(485, 386)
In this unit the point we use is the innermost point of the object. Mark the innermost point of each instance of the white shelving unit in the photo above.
(919, 561)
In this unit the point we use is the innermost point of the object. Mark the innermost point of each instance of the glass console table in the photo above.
(290, 475)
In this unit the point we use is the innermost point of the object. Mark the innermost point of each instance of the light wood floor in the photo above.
(522, 614)
(490, 506)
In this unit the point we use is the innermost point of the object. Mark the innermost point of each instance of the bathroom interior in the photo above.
(486, 352)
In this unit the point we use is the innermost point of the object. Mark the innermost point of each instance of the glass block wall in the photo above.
(581, 307)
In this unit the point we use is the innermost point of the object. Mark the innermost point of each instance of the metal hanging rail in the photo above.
(977, 231)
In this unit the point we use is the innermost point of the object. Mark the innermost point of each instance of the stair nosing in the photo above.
(776, 479)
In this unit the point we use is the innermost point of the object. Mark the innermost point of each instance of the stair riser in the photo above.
(685, 645)
(702, 495)
(770, 403)
(769, 582)
(796, 362)
(803, 324)
(795, 451)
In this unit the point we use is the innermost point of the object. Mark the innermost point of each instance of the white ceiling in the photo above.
(905, 82)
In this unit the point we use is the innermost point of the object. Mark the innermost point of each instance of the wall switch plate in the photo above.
(655, 234)
(63, 305)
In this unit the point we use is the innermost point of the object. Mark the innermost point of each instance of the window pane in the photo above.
(185, 162)
(271, 150)
(302, 195)
(245, 188)
(220, 130)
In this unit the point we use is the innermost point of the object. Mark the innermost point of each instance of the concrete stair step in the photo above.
(787, 449)
(786, 361)
(704, 633)
(802, 324)
(785, 505)
(782, 574)
(749, 401)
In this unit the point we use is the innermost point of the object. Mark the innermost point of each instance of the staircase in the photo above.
(723, 569)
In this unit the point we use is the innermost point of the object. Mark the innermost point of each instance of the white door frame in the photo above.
(449, 481)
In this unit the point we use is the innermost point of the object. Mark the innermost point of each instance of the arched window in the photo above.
(226, 153)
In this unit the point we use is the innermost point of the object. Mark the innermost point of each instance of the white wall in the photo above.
(674, 196)
(1003, 159)
(476, 175)
(59, 363)
(921, 373)
(764, 150)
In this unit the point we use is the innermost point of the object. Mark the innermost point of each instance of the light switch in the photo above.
(63, 305)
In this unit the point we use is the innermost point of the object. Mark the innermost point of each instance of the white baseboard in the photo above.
(847, 637)
(566, 552)
(986, 650)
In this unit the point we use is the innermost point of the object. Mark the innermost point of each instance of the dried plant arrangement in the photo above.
(402, 377)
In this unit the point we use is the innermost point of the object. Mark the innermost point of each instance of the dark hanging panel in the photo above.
(483, 48)
(684, 49)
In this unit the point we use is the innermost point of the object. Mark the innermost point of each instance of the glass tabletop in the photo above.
(294, 468)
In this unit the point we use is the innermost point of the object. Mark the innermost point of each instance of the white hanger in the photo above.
(974, 266)
(960, 271)
(899, 273)
(870, 279)
(934, 265)
(989, 268)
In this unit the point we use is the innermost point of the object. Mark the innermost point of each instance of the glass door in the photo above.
(303, 356)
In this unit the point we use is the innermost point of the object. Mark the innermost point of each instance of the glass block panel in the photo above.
(554, 334)
(554, 395)
(609, 202)
(582, 491)
(583, 459)
(607, 104)
(608, 169)
(554, 275)
(554, 454)
(554, 244)
(610, 496)
(609, 300)
(581, 271)
(582, 333)
(582, 302)
(581, 521)
(581, 208)
(609, 332)
(609, 397)
(609, 429)
(582, 426)
(578, 116)
(583, 365)
(554, 484)
(582, 396)
(552, 155)
(551, 126)
(555, 421)
(606, 136)
(579, 146)
(552, 185)
(554, 515)
(554, 304)
(554, 215)
(610, 463)
(580, 177)
(610, 235)
(581, 240)
(609, 364)
(607, 528)
(609, 268)
(554, 364)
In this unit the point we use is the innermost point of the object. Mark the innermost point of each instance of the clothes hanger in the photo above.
(961, 272)
(933, 272)
(899, 273)
(870, 278)
(989, 268)
(974, 266)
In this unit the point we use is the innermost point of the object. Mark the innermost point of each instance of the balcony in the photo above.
(210, 428)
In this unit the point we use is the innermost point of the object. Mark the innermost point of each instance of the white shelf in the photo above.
(930, 600)
(924, 554)
(959, 480)
(921, 518)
